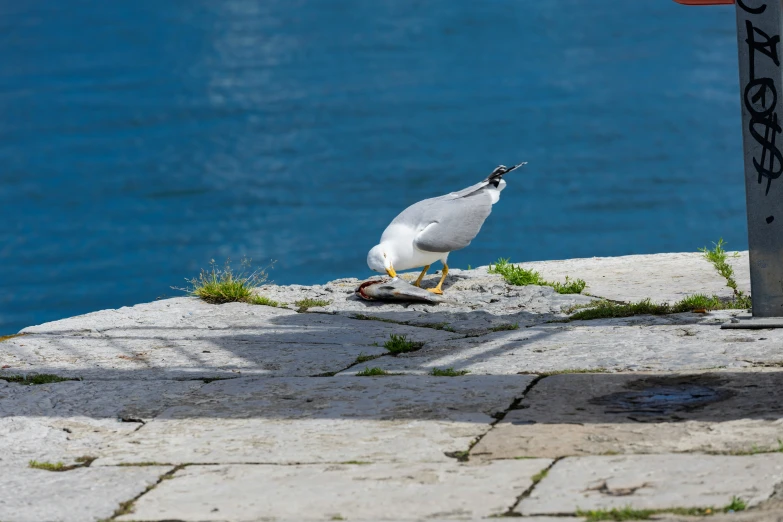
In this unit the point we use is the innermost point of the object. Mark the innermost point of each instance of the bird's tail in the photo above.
(501, 171)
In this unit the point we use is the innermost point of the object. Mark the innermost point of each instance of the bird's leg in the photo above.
(421, 276)
(438, 289)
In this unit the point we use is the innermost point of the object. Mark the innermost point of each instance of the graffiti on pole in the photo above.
(761, 99)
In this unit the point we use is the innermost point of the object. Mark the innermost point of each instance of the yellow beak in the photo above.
(391, 272)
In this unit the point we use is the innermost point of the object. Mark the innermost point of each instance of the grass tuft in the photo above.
(372, 372)
(361, 358)
(516, 275)
(223, 285)
(607, 309)
(48, 466)
(400, 344)
(448, 372)
(629, 513)
(538, 477)
(718, 256)
(737, 504)
(305, 304)
(261, 300)
(37, 378)
(504, 327)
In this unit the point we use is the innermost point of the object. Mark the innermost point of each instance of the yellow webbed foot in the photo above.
(435, 291)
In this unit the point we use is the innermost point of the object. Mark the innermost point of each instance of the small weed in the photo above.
(357, 462)
(504, 327)
(400, 344)
(538, 477)
(569, 287)
(629, 513)
(607, 309)
(37, 378)
(718, 256)
(223, 285)
(337, 517)
(518, 276)
(48, 466)
(448, 372)
(461, 456)
(736, 504)
(261, 300)
(307, 303)
(364, 358)
(373, 372)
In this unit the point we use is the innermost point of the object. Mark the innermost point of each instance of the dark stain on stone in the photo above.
(656, 399)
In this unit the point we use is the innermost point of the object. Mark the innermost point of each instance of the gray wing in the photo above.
(451, 224)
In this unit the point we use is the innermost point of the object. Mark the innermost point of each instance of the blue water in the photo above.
(140, 139)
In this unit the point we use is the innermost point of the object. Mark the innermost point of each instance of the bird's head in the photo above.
(379, 260)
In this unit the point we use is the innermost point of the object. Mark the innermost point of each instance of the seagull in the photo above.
(429, 230)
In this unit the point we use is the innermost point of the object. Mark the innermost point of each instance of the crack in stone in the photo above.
(604, 489)
(463, 456)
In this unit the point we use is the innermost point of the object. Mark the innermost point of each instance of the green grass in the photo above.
(401, 344)
(448, 372)
(261, 300)
(373, 372)
(629, 513)
(607, 309)
(37, 378)
(361, 358)
(538, 477)
(737, 504)
(48, 466)
(516, 275)
(504, 327)
(305, 304)
(357, 462)
(718, 257)
(223, 285)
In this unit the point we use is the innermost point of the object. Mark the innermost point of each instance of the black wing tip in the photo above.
(502, 170)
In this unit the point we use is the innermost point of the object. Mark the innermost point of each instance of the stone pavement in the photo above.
(196, 412)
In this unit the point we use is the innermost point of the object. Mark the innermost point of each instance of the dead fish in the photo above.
(395, 290)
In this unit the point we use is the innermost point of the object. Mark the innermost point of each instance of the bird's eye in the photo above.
(384, 254)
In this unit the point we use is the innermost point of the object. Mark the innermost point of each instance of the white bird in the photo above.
(429, 230)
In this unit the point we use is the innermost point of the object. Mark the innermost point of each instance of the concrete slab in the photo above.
(67, 420)
(669, 343)
(660, 277)
(371, 492)
(307, 420)
(594, 414)
(653, 482)
(226, 340)
(79, 495)
(477, 302)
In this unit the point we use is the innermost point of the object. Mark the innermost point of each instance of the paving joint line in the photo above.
(126, 507)
(537, 478)
(464, 456)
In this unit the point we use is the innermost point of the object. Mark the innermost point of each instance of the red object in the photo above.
(704, 2)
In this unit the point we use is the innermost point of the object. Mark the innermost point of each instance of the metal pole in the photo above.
(758, 35)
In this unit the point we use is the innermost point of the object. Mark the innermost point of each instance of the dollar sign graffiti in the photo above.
(762, 114)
